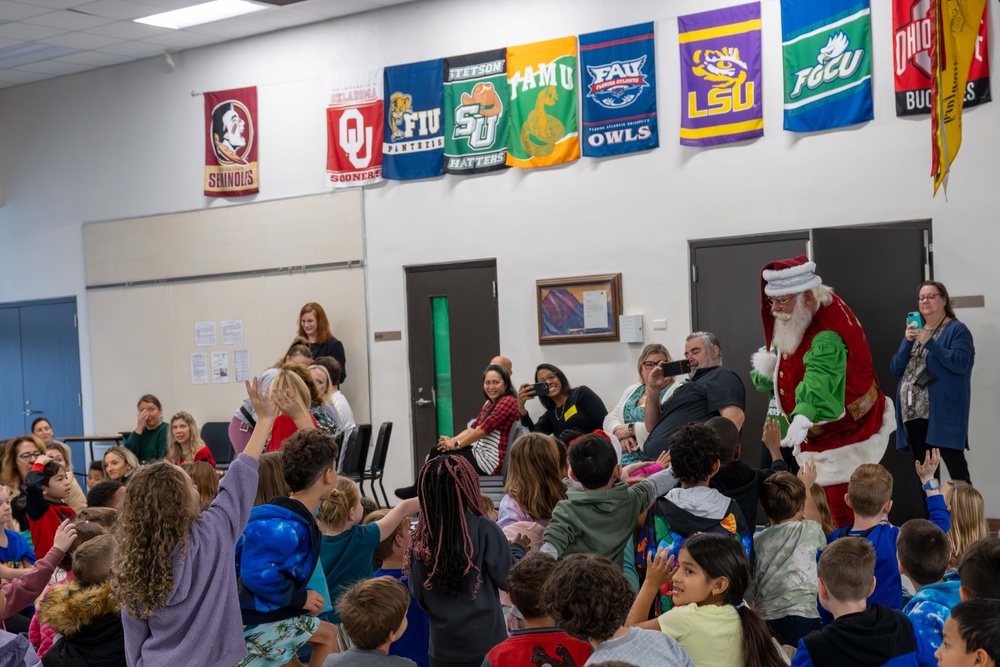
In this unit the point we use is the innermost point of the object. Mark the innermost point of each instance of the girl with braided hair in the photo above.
(457, 561)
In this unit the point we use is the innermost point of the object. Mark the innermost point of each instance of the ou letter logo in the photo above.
(355, 136)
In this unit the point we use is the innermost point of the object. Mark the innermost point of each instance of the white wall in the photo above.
(126, 142)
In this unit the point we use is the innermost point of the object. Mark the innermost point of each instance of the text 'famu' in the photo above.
(545, 75)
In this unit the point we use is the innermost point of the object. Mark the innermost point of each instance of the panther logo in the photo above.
(400, 104)
(722, 67)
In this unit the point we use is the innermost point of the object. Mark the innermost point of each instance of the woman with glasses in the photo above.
(934, 365)
(565, 407)
(18, 458)
(625, 421)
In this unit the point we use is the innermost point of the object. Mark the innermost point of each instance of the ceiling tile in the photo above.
(68, 20)
(25, 32)
(5, 42)
(95, 59)
(83, 40)
(181, 39)
(332, 8)
(128, 30)
(134, 49)
(54, 4)
(17, 76)
(53, 67)
(118, 9)
(15, 11)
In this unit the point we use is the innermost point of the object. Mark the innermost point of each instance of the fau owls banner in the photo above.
(542, 78)
(231, 143)
(912, 30)
(414, 139)
(721, 98)
(828, 66)
(476, 101)
(354, 124)
(619, 95)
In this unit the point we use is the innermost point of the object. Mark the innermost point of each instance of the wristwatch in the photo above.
(631, 429)
(933, 484)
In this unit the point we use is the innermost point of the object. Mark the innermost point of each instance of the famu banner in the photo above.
(354, 123)
(911, 29)
(619, 91)
(476, 101)
(828, 65)
(542, 78)
(414, 138)
(721, 98)
(231, 143)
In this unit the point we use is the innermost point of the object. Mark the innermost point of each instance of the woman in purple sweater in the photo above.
(173, 574)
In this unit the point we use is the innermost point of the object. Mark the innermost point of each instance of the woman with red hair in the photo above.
(314, 329)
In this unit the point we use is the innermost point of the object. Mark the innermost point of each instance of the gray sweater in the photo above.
(642, 648)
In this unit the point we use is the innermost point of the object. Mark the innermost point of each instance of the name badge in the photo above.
(569, 413)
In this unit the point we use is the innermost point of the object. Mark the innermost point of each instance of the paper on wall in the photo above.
(232, 332)
(199, 368)
(241, 365)
(204, 333)
(595, 309)
(220, 367)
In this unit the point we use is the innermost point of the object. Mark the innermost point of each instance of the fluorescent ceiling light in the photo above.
(204, 13)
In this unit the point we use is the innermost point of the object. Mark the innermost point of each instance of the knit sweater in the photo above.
(19, 593)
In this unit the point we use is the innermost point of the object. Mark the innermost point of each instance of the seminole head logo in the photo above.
(720, 67)
(232, 132)
(400, 104)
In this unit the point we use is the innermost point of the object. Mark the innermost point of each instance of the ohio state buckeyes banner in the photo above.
(911, 30)
(354, 128)
(231, 143)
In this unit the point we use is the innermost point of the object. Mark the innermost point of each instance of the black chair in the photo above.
(356, 456)
(374, 472)
(216, 437)
(492, 487)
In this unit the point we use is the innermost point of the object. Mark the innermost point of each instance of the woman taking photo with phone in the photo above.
(565, 407)
(934, 364)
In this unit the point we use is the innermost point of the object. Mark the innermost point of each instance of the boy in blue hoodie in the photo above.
(277, 554)
(923, 551)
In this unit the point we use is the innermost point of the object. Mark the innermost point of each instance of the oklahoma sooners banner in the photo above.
(721, 98)
(354, 125)
(542, 78)
(231, 143)
(619, 91)
(476, 107)
(911, 29)
(414, 138)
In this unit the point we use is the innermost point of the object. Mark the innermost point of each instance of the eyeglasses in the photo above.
(928, 297)
(27, 456)
(781, 301)
(650, 365)
(549, 378)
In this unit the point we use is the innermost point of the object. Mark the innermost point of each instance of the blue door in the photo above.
(11, 396)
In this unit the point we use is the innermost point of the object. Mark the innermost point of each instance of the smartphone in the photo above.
(541, 388)
(914, 317)
(672, 368)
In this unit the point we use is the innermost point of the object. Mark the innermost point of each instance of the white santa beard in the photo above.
(790, 327)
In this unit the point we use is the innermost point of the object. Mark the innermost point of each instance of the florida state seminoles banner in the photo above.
(619, 91)
(911, 29)
(721, 98)
(542, 78)
(354, 126)
(231, 143)
(414, 140)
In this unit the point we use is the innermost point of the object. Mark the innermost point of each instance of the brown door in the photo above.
(454, 330)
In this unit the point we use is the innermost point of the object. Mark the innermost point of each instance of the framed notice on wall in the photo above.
(579, 310)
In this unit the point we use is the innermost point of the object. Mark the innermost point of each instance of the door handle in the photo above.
(28, 413)
(423, 401)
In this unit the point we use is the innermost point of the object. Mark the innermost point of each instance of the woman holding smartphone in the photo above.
(934, 365)
(565, 407)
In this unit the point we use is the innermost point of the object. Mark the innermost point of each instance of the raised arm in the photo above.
(264, 407)
(387, 524)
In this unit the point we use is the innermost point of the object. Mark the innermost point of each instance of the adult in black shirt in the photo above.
(314, 330)
(712, 391)
(565, 407)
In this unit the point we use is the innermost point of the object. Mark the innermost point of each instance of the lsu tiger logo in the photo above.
(721, 67)
(727, 73)
(400, 104)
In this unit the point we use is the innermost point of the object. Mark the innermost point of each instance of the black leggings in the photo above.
(916, 435)
(464, 452)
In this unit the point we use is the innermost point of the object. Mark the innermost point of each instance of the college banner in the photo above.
(414, 138)
(231, 143)
(619, 91)
(354, 124)
(542, 78)
(828, 64)
(476, 101)
(911, 29)
(721, 95)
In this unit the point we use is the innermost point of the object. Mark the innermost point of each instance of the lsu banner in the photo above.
(721, 98)
(354, 125)
(414, 138)
(911, 29)
(476, 107)
(619, 91)
(828, 66)
(542, 78)
(231, 143)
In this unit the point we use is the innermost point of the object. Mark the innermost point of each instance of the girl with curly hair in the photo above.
(173, 568)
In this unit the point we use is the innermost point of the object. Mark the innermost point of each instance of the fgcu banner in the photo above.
(721, 96)
(476, 101)
(828, 65)
(231, 143)
(354, 123)
(414, 138)
(542, 78)
(619, 91)
(912, 30)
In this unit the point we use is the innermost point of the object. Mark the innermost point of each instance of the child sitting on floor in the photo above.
(48, 488)
(972, 635)
(19, 593)
(979, 571)
(373, 612)
(923, 551)
(737, 479)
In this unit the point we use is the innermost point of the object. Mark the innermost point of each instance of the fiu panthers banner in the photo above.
(231, 143)
(414, 139)
(542, 78)
(354, 124)
(911, 30)
(828, 66)
(619, 91)
(476, 106)
(721, 98)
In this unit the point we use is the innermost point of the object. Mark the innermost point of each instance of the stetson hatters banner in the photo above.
(414, 137)
(231, 138)
(476, 107)
(911, 29)
(721, 96)
(543, 121)
(354, 128)
(618, 73)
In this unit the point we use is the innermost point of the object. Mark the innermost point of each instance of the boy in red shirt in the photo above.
(48, 485)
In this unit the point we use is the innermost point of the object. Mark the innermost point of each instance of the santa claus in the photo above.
(817, 363)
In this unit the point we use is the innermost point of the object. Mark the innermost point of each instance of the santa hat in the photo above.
(784, 277)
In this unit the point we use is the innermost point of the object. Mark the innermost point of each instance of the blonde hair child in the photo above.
(292, 400)
(536, 464)
(823, 507)
(968, 518)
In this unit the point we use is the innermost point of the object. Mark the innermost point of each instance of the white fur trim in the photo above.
(764, 362)
(835, 466)
(793, 280)
(790, 272)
